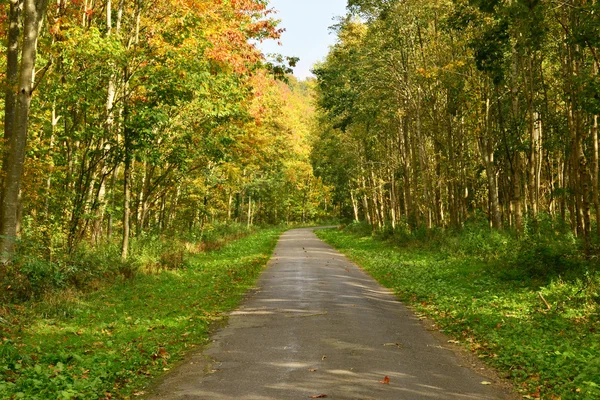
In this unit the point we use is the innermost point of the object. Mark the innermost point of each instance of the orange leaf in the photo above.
(385, 381)
(318, 396)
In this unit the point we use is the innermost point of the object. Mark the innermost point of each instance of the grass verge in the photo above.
(544, 337)
(109, 344)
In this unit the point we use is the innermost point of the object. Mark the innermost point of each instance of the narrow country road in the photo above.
(316, 325)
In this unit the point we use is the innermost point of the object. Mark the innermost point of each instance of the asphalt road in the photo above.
(318, 325)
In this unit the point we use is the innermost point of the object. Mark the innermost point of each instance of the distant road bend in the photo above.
(318, 325)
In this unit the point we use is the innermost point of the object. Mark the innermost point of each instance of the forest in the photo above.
(141, 135)
(433, 111)
(146, 118)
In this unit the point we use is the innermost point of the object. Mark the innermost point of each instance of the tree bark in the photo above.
(487, 153)
(126, 198)
(405, 152)
(517, 200)
(12, 78)
(34, 11)
(595, 173)
(249, 222)
(354, 205)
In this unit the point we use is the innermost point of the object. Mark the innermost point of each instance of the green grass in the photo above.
(549, 353)
(113, 342)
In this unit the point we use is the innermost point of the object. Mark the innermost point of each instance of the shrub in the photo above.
(546, 249)
(41, 266)
(360, 228)
(545, 259)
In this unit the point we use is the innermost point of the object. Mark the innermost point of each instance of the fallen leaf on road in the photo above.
(318, 396)
(312, 370)
(398, 345)
(324, 357)
(385, 381)
(486, 383)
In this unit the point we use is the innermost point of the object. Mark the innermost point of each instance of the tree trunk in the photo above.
(405, 151)
(12, 78)
(249, 210)
(487, 153)
(126, 201)
(109, 220)
(34, 12)
(54, 122)
(517, 199)
(595, 173)
(393, 202)
(365, 200)
(126, 183)
(229, 203)
(533, 138)
(354, 205)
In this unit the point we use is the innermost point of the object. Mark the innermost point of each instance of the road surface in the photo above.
(318, 325)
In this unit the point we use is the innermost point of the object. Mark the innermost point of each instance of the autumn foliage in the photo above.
(160, 117)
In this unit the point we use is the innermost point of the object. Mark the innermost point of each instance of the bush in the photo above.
(359, 228)
(37, 270)
(478, 240)
(546, 249)
(544, 260)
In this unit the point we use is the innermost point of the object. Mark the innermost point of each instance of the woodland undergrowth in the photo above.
(529, 306)
(89, 326)
(43, 266)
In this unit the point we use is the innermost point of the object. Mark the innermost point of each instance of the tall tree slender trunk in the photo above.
(365, 199)
(110, 217)
(12, 66)
(126, 195)
(249, 222)
(595, 171)
(405, 151)
(54, 123)
(487, 152)
(393, 202)
(354, 205)
(34, 11)
(12, 79)
(528, 77)
(517, 200)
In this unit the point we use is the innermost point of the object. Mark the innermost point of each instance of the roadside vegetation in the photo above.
(528, 307)
(140, 168)
(109, 341)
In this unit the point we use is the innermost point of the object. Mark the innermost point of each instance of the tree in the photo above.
(17, 121)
